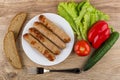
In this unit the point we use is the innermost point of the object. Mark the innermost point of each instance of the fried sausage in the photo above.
(37, 45)
(40, 27)
(54, 28)
(47, 43)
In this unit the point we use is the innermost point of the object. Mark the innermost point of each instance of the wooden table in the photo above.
(106, 69)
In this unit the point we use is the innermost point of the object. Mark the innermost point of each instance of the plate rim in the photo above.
(39, 52)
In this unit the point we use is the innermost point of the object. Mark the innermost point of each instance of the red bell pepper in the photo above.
(98, 33)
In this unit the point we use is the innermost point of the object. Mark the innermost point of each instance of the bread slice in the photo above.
(11, 51)
(17, 23)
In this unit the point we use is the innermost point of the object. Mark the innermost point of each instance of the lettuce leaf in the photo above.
(81, 16)
(69, 12)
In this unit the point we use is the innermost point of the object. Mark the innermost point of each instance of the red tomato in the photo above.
(82, 48)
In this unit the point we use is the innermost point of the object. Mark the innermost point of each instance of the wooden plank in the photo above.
(105, 69)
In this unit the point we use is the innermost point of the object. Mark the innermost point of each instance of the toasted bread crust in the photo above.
(17, 22)
(11, 51)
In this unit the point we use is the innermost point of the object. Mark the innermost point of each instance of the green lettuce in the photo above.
(81, 16)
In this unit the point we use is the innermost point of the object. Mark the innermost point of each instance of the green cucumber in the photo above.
(101, 51)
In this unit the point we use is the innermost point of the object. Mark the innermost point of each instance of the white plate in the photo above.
(38, 58)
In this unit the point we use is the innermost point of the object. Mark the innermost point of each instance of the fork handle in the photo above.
(74, 70)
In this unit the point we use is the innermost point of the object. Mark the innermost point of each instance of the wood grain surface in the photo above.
(108, 68)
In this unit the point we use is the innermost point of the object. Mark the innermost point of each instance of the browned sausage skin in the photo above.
(41, 28)
(44, 41)
(54, 28)
(37, 45)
